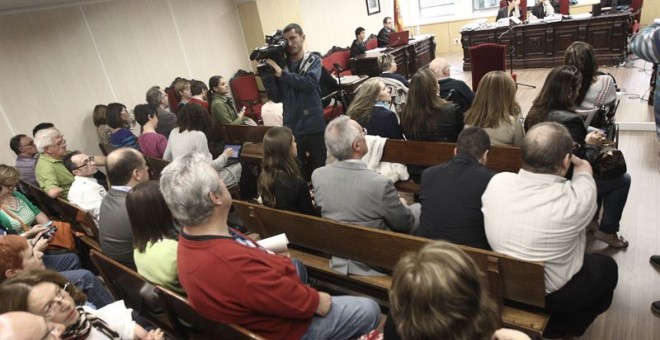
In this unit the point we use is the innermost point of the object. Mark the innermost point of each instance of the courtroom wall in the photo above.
(58, 63)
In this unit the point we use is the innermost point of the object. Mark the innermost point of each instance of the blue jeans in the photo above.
(96, 292)
(61, 262)
(349, 317)
(613, 194)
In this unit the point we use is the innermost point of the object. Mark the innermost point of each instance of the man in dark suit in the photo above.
(384, 33)
(126, 168)
(462, 95)
(451, 193)
(358, 47)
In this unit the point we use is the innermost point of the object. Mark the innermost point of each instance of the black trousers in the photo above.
(588, 294)
(311, 153)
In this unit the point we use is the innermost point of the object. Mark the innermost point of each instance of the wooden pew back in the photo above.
(506, 277)
(156, 166)
(241, 133)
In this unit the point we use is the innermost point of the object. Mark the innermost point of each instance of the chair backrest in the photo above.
(137, 293)
(485, 58)
(242, 134)
(156, 166)
(246, 93)
(506, 277)
(191, 325)
(80, 219)
(339, 55)
(371, 42)
(47, 204)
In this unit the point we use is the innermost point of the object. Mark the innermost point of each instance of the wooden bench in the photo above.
(239, 133)
(517, 286)
(500, 158)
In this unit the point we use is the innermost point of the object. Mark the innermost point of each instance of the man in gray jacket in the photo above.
(349, 192)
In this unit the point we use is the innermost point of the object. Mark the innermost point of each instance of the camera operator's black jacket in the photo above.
(299, 92)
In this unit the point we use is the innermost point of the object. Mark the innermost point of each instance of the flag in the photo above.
(398, 21)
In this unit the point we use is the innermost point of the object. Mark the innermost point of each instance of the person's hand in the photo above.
(325, 303)
(228, 152)
(155, 334)
(276, 68)
(580, 165)
(34, 231)
(595, 138)
(249, 122)
(41, 242)
(403, 201)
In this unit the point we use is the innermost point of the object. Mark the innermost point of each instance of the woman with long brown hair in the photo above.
(499, 115)
(596, 89)
(427, 116)
(280, 184)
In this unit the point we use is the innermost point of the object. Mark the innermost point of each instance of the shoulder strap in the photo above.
(24, 226)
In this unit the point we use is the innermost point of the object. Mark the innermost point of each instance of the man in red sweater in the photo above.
(229, 279)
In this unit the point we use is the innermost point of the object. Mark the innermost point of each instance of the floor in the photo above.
(630, 316)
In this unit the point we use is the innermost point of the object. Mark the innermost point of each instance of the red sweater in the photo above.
(232, 283)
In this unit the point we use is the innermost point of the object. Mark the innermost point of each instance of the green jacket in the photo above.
(223, 112)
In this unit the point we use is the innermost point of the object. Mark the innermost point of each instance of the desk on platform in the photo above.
(543, 44)
(409, 58)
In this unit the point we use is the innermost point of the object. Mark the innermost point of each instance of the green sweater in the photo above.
(158, 264)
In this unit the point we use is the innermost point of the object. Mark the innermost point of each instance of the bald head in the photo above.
(127, 167)
(545, 147)
(440, 68)
(24, 325)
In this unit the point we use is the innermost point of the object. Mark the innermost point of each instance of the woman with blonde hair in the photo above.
(436, 293)
(370, 108)
(499, 115)
(427, 116)
(280, 184)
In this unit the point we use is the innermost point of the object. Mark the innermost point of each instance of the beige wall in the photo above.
(58, 63)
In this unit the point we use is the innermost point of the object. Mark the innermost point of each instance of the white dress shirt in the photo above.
(88, 194)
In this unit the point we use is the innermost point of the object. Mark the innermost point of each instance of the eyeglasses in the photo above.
(364, 131)
(85, 163)
(50, 307)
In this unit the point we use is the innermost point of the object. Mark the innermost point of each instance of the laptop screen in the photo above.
(398, 38)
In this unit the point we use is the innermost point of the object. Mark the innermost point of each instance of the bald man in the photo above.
(462, 95)
(24, 325)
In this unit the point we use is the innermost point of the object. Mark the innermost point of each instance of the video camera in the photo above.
(274, 49)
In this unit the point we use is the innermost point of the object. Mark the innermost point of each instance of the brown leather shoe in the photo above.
(613, 240)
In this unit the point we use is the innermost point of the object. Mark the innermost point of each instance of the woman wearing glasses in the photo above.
(17, 213)
(47, 293)
(556, 103)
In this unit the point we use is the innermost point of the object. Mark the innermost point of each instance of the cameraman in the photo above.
(297, 87)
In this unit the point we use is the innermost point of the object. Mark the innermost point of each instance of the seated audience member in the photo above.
(158, 99)
(451, 193)
(103, 131)
(511, 10)
(85, 191)
(154, 235)
(41, 126)
(543, 8)
(126, 168)
(384, 33)
(358, 47)
(19, 255)
(17, 213)
(426, 116)
(271, 113)
(24, 325)
(437, 293)
(151, 143)
(264, 293)
(198, 90)
(552, 212)
(596, 89)
(51, 174)
(555, 103)
(347, 191)
(26, 153)
(370, 109)
(280, 184)
(387, 66)
(48, 294)
(462, 95)
(117, 116)
(182, 88)
(222, 107)
(499, 115)
(190, 136)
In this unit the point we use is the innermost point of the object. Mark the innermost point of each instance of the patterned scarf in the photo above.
(83, 327)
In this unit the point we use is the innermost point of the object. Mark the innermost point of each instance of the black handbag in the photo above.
(609, 163)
